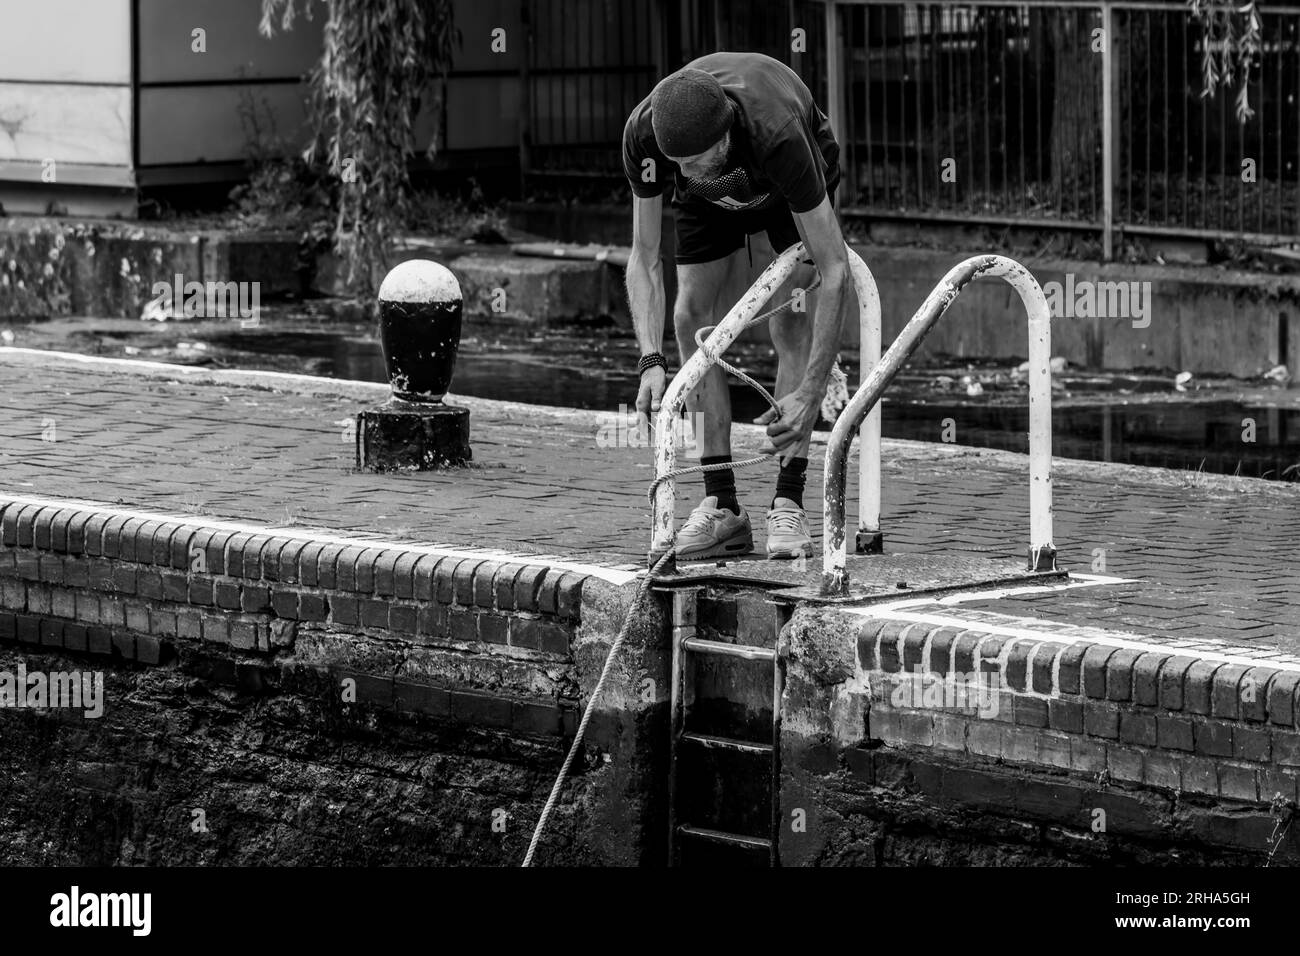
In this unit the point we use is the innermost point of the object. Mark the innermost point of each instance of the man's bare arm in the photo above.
(645, 296)
(645, 274)
(822, 238)
(825, 243)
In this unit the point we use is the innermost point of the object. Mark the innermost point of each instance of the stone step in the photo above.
(536, 291)
(60, 267)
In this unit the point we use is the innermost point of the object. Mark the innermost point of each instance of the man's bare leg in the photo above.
(792, 337)
(704, 294)
(719, 526)
(788, 535)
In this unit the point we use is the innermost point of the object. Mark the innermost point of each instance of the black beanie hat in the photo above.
(689, 112)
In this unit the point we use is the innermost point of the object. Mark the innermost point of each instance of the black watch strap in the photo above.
(650, 361)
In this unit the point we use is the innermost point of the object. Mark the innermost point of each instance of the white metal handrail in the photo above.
(736, 320)
(1042, 555)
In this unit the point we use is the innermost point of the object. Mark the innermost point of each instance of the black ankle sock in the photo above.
(790, 482)
(721, 483)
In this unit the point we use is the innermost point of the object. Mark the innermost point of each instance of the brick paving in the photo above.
(1209, 557)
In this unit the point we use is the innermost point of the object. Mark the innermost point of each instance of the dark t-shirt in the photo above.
(782, 145)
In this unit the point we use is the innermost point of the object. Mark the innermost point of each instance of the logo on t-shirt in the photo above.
(732, 190)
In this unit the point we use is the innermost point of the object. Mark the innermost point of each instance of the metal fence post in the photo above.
(796, 59)
(834, 90)
(525, 100)
(1107, 133)
(670, 37)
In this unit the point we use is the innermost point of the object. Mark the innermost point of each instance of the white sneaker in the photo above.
(713, 532)
(788, 534)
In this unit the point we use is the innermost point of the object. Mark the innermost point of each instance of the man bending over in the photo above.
(745, 148)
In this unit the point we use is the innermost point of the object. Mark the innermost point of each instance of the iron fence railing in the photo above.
(1085, 115)
(591, 61)
(1184, 159)
(953, 110)
(983, 111)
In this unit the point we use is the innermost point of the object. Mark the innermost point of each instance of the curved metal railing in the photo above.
(692, 372)
(1042, 555)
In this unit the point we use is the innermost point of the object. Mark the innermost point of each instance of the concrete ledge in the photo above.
(60, 267)
(1205, 319)
(535, 291)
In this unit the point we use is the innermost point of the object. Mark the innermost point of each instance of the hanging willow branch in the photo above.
(1230, 45)
(383, 65)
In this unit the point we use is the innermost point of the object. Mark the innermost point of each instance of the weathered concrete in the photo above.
(1204, 319)
(534, 291)
(60, 267)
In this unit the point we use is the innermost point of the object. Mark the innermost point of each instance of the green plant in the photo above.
(283, 191)
(1188, 479)
(382, 63)
(1230, 42)
(280, 193)
(439, 214)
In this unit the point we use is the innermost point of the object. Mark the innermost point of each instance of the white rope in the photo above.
(727, 367)
(646, 581)
(591, 706)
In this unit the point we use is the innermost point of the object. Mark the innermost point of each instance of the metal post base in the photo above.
(870, 542)
(401, 435)
(670, 566)
(1042, 559)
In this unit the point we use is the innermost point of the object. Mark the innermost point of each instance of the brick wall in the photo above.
(355, 644)
(327, 701)
(1093, 752)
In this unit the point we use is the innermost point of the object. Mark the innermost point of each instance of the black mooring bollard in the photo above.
(419, 329)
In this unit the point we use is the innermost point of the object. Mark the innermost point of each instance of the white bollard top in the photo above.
(419, 280)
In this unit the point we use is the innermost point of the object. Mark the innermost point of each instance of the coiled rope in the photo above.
(719, 361)
(646, 581)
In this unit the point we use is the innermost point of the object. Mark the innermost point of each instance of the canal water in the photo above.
(1140, 420)
(1222, 426)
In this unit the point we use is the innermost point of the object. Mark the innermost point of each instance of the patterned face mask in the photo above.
(732, 190)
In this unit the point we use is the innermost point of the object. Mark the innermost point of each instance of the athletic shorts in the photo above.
(706, 233)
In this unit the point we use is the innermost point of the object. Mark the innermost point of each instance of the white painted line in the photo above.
(618, 575)
(1043, 631)
(1074, 581)
(235, 376)
(992, 594)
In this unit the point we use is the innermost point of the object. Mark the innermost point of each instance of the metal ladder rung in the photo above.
(711, 742)
(685, 643)
(698, 645)
(730, 839)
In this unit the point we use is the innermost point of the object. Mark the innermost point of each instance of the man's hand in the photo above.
(649, 397)
(786, 435)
